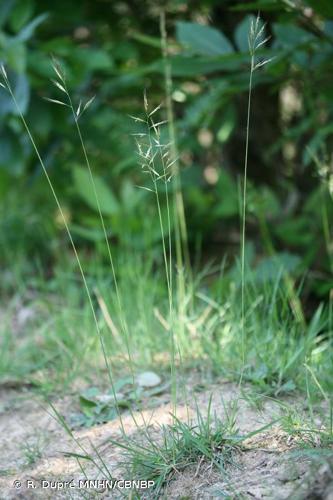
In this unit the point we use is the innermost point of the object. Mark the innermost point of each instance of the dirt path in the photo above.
(34, 447)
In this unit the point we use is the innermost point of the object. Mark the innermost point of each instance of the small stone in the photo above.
(148, 379)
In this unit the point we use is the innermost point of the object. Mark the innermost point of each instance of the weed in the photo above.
(250, 330)
(7, 85)
(308, 433)
(256, 39)
(208, 442)
(33, 449)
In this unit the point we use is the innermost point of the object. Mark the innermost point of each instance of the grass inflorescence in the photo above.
(243, 327)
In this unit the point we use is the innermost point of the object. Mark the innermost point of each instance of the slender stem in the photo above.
(153, 169)
(99, 209)
(178, 206)
(244, 218)
(181, 236)
(120, 307)
(169, 263)
(100, 336)
(170, 249)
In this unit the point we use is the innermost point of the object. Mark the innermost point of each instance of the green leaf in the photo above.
(88, 401)
(242, 32)
(288, 36)
(12, 157)
(229, 123)
(27, 32)
(151, 41)
(270, 267)
(44, 124)
(5, 182)
(16, 56)
(200, 109)
(131, 196)
(202, 40)
(194, 66)
(21, 14)
(107, 201)
(328, 28)
(93, 59)
(88, 233)
(199, 65)
(317, 201)
(155, 391)
(295, 231)
(287, 386)
(122, 382)
(262, 201)
(228, 205)
(22, 92)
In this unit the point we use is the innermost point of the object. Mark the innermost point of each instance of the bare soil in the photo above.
(34, 447)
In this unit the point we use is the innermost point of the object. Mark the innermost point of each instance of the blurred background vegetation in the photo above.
(112, 50)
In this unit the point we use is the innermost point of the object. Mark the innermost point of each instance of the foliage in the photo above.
(113, 53)
(98, 407)
(182, 444)
(258, 321)
(209, 66)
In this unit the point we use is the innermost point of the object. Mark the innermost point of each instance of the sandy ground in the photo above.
(266, 468)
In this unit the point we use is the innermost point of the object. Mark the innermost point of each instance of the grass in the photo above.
(33, 450)
(276, 347)
(308, 432)
(207, 442)
(141, 314)
(273, 347)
